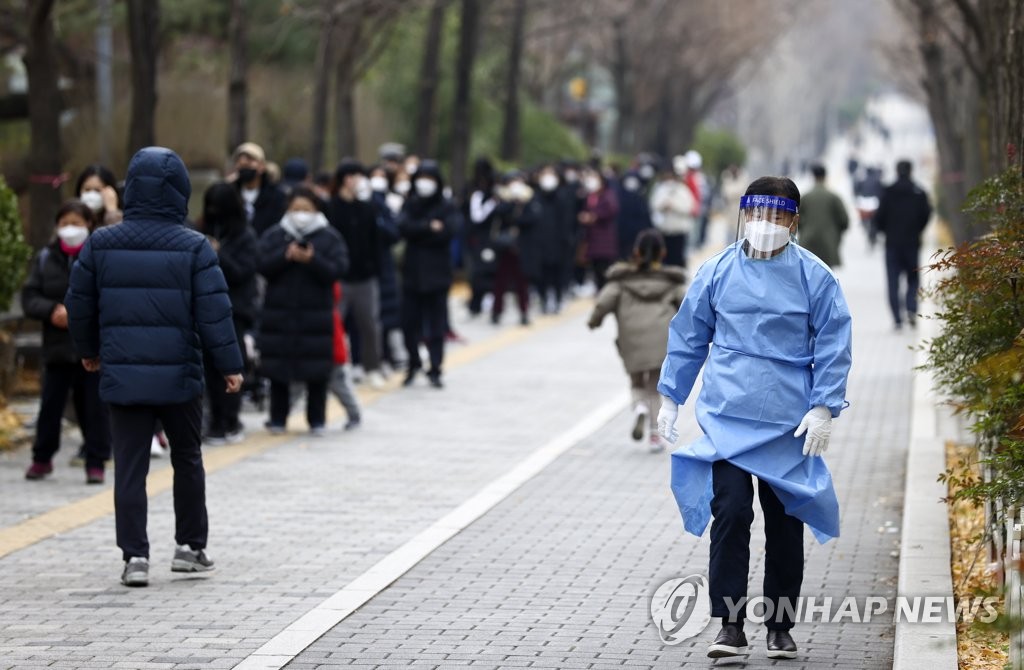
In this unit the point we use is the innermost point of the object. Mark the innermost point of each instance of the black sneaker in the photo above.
(730, 642)
(410, 376)
(435, 380)
(353, 423)
(780, 644)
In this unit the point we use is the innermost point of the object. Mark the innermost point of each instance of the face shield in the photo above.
(766, 225)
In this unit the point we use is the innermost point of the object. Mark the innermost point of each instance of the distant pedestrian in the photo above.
(427, 224)
(902, 215)
(823, 220)
(146, 298)
(598, 223)
(340, 384)
(301, 258)
(553, 239)
(223, 223)
(96, 186)
(868, 194)
(643, 295)
(674, 211)
(42, 298)
(634, 212)
(514, 218)
(264, 200)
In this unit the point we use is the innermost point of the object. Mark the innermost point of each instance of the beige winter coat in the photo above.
(643, 303)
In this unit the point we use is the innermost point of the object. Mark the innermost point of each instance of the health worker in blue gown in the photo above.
(768, 322)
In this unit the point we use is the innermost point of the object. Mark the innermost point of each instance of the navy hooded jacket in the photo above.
(146, 295)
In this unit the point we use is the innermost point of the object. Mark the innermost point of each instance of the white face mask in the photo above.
(646, 171)
(411, 167)
(92, 199)
(765, 236)
(402, 187)
(548, 181)
(363, 190)
(571, 176)
(631, 183)
(592, 184)
(426, 188)
(303, 220)
(379, 184)
(73, 236)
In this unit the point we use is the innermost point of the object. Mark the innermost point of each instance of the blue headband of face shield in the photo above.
(769, 202)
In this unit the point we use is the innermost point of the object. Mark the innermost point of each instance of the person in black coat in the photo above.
(478, 211)
(551, 239)
(902, 215)
(301, 258)
(634, 212)
(264, 200)
(42, 298)
(387, 205)
(223, 222)
(513, 220)
(356, 220)
(145, 299)
(428, 223)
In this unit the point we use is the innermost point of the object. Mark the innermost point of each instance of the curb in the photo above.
(924, 567)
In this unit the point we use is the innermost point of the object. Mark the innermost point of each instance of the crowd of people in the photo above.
(339, 278)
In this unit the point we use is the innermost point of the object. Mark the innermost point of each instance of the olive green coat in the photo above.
(823, 220)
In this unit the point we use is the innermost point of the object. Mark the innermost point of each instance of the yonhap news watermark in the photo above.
(681, 609)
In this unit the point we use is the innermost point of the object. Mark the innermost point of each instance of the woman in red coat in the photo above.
(598, 218)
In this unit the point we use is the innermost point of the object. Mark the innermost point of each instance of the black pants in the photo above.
(425, 316)
(902, 260)
(316, 402)
(600, 267)
(732, 507)
(91, 412)
(224, 407)
(550, 282)
(675, 250)
(133, 427)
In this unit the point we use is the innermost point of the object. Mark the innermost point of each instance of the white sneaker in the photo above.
(156, 450)
(376, 380)
(657, 444)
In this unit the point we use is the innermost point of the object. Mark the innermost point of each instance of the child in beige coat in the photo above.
(644, 296)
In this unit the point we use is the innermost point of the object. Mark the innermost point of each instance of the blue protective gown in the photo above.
(781, 335)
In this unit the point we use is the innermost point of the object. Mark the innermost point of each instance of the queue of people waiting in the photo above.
(339, 278)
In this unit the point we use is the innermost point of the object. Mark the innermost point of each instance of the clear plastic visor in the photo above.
(766, 225)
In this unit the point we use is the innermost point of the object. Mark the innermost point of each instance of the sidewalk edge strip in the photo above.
(924, 566)
(300, 634)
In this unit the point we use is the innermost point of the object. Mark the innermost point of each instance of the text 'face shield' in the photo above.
(766, 223)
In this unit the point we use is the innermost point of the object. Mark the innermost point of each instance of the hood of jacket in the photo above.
(156, 186)
(650, 284)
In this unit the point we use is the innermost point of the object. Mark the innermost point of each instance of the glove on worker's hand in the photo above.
(667, 420)
(817, 423)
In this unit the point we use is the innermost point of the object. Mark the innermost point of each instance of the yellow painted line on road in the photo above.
(81, 512)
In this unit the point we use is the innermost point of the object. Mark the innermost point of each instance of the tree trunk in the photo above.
(105, 79)
(238, 87)
(624, 102)
(143, 38)
(345, 111)
(429, 80)
(324, 58)
(462, 107)
(44, 160)
(510, 130)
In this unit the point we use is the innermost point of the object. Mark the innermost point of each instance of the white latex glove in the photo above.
(817, 423)
(667, 420)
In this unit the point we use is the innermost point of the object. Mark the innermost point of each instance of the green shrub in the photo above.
(978, 358)
(14, 251)
(719, 149)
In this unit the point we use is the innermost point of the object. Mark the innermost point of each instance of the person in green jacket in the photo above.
(823, 220)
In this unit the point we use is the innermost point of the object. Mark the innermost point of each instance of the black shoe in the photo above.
(912, 321)
(780, 644)
(435, 380)
(410, 376)
(524, 320)
(730, 642)
(495, 319)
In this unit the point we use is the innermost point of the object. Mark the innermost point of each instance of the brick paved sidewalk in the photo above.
(559, 575)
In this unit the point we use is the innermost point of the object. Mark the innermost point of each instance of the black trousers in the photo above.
(899, 261)
(550, 281)
(732, 507)
(425, 317)
(224, 407)
(675, 250)
(133, 427)
(600, 267)
(316, 402)
(91, 412)
(510, 276)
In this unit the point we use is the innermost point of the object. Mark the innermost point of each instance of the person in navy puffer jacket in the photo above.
(146, 298)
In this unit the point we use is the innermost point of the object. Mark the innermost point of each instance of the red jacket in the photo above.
(340, 348)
